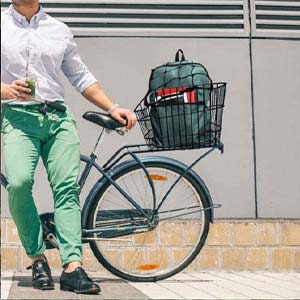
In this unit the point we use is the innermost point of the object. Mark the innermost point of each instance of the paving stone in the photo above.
(186, 285)
(275, 291)
(275, 281)
(185, 290)
(6, 282)
(155, 291)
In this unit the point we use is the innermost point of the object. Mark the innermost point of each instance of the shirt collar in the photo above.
(20, 18)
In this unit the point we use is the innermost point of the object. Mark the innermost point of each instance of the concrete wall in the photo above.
(123, 66)
(277, 108)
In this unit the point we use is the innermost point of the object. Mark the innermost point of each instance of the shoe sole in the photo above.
(44, 288)
(70, 289)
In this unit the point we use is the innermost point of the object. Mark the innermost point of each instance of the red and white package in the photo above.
(178, 95)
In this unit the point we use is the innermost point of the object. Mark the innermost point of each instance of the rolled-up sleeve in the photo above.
(73, 67)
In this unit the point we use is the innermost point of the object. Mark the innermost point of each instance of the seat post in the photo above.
(99, 142)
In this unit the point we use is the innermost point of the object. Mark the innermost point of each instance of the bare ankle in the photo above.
(40, 257)
(71, 266)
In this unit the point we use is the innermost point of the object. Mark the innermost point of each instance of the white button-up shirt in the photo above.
(47, 46)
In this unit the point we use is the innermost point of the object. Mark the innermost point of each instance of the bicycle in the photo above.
(146, 218)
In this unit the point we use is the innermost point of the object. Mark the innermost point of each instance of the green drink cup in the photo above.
(31, 85)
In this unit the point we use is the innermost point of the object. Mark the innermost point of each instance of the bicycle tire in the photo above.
(134, 166)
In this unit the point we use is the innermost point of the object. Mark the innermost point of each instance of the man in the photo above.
(35, 43)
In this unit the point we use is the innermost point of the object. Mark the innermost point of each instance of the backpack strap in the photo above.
(179, 51)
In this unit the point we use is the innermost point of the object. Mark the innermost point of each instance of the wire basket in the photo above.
(174, 119)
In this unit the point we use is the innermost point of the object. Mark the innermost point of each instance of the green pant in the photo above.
(27, 135)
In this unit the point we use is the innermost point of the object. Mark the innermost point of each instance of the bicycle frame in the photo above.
(90, 163)
(107, 173)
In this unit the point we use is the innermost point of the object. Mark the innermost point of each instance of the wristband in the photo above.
(112, 108)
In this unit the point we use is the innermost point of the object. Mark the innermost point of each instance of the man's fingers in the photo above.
(119, 118)
(124, 120)
(128, 118)
(24, 97)
(131, 120)
(21, 86)
(134, 119)
(13, 94)
(22, 89)
(20, 82)
(123, 114)
(26, 90)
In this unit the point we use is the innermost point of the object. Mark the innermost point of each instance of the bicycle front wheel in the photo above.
(179, 228)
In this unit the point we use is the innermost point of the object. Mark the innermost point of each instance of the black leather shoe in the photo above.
(78, 282)
(41, 275)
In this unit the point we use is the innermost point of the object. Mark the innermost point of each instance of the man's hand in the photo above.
(96, 95)
(120, 113)
(17, 90)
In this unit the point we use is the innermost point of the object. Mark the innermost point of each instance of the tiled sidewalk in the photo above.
(206, 285)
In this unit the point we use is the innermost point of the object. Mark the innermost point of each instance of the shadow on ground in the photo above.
(112, 288)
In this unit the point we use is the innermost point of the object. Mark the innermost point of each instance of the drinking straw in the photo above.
(27, 70)
(27, 65)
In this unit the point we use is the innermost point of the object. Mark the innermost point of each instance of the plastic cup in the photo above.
(31, 85)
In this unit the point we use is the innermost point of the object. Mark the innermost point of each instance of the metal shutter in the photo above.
(276, 18)
(151, 18)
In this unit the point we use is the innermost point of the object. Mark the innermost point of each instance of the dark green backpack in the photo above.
(179, 97)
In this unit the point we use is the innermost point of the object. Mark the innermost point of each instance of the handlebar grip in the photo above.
(57, 106)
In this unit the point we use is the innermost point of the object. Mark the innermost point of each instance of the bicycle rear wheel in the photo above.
(180, 228)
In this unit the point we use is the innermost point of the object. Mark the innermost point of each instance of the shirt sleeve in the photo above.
(73, 67)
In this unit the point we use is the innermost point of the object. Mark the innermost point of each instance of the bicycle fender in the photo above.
(128, 163)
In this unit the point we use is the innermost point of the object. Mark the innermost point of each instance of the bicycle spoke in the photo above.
(115, 203)
(179, 197)
(170, 184)
(139, 192)
(145, 184)
(119, 197)
(162, 188)
(163, 248)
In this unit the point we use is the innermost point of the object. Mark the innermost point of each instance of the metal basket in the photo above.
(174, 118)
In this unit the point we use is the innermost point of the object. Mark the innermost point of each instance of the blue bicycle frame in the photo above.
(111, 167)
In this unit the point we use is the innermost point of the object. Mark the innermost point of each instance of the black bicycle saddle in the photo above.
(103, 120)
